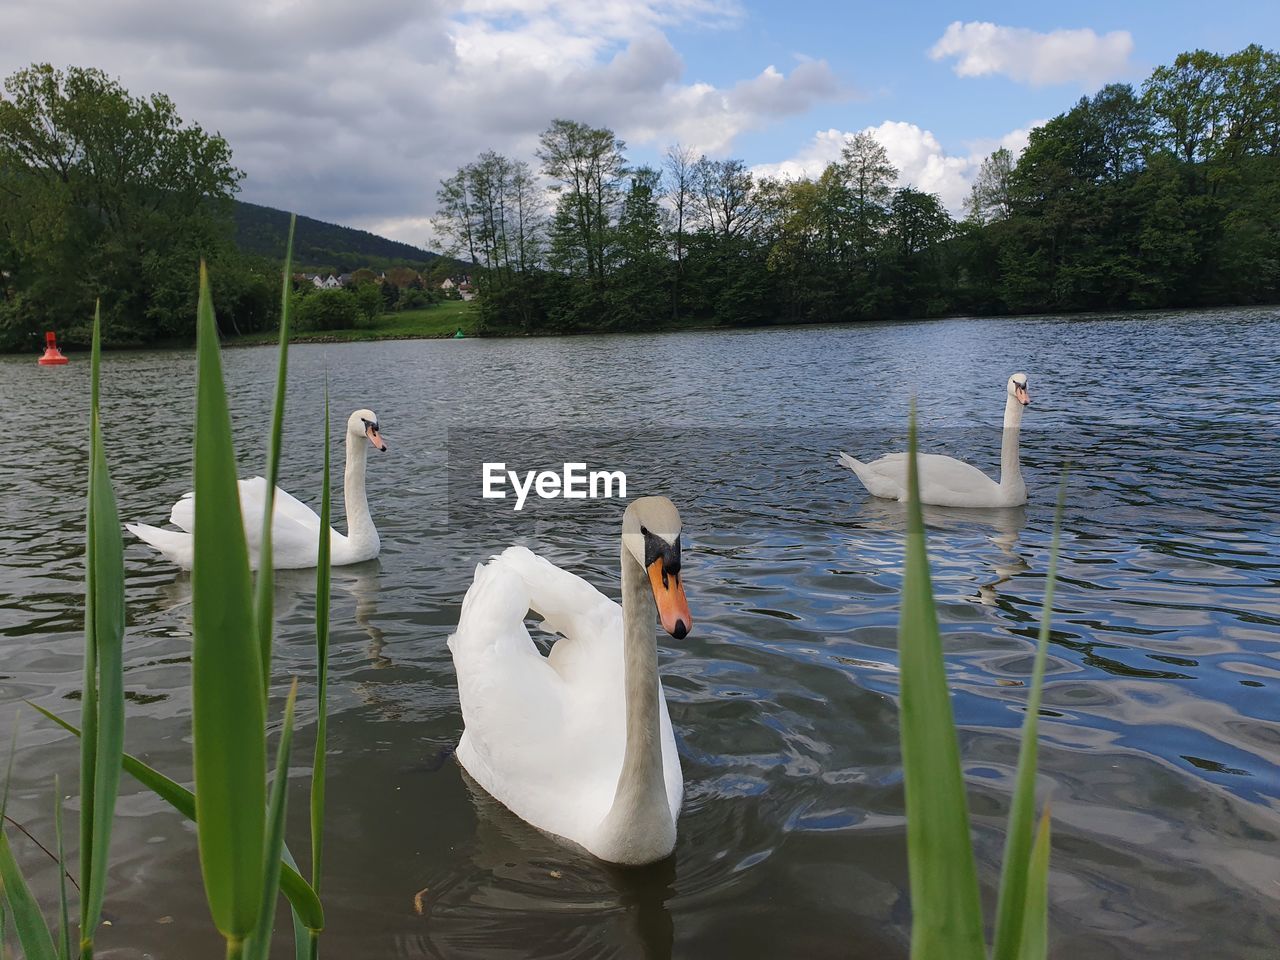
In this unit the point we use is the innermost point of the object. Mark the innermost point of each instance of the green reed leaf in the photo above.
(266, 567)
(299, 893)
(64, 914)
(1018, 839)
(28, 924)
(323, 593)
(323, 587)
(228, 704)
(102, 701)
(15, 895)
(1034, 938)
(946, 910)
(260, 944)
(303, 939)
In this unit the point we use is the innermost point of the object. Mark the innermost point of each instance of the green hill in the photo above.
(321, 246)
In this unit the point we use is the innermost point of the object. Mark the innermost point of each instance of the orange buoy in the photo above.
(52, 355)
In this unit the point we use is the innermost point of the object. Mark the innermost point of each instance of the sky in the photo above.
(352, 112)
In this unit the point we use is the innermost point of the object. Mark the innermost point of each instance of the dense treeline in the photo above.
(105, 195)
(1165, 195)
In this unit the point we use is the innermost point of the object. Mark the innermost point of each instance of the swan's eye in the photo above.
(644, 531)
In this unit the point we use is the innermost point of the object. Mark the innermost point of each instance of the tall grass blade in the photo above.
(89, 686)
(260, 943)
(323, 589)
(266, 567)
(102, 701)
(228, 702)
(1034, 942)
(28, 924)
(303, 938)
(15, 895)
(946, 911)
(1018, 839)
(104, 635)
(299, 893)
(64, 913)
(8, 770)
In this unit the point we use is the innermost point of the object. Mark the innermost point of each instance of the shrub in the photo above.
(328, 310)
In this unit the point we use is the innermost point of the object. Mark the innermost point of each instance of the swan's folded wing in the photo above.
(253, 493)
(252, 496)
(514, 706)
(295, 527)
(183, 514)
(946, 481)
(567, 604)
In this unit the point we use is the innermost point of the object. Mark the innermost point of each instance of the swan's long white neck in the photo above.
(361, 533)
(640, 818)
(1010, 465)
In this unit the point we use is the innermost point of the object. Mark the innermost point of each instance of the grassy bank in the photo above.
(441, 320)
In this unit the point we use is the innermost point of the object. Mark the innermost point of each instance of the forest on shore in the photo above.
(1163, 195)
(1166, 194)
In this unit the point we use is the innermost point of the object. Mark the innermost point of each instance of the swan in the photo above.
(295, 528)
(577, 743)
(948, 482)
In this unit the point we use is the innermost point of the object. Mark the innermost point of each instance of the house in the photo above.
(468, 292)
(448, 284)
(326, 283)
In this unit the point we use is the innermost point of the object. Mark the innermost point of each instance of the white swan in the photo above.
(577, 743)
(295, 527)
(948, 482)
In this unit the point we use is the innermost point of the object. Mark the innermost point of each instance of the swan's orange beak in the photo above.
(668, 593)
(371, 431)
(1020, 392)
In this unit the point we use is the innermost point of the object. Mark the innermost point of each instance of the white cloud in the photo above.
(1060, 56)
(921, 161)
(353, 112)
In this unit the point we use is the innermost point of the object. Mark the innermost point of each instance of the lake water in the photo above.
(1160, 749)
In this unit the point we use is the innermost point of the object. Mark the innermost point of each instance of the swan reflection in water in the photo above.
(1000, 527)
(510, 877)
(295, 594)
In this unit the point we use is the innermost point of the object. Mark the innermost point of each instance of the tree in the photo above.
(867, 178)
(990, 198)
(723, 198)
(1183, 99)
(637, 294)
(679, 167)
(455, 215)
(588, 164)
(491, 210)
(917, 221)
(1121, 124)
(106, 195)
(368, 301)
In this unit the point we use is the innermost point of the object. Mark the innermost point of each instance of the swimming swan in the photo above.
(295, 529)
(948, 482)
(577, 743)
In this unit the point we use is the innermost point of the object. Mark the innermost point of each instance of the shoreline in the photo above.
(463, 319)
